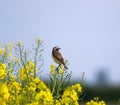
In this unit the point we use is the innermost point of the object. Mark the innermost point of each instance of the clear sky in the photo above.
(88, 32)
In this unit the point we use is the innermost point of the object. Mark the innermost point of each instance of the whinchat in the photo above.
(57, 57)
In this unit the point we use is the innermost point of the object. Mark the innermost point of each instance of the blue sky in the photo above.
(88, 32)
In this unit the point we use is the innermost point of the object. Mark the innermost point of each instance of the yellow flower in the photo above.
(55, 73)
(19, 43)
(44, 95)
(44, 98)
(4, 94)
(14, 90)
(52, 68)
(31, 64)
(3, 66)
(67, 101)
(70, 95)
(36, 80)
(32, 89)
(16, 59)
(14, 86)
(11, 76)
(2, 51)
(34, 103)
(10, 54)
(95, 102)
(38, 40)
(57, 102)
(2, 74)
(61, 67)
(61, 71)
(77, 87)
(10, 46)
(2, 71)
(22, 74)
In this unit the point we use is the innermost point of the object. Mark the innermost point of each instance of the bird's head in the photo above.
(56, 48)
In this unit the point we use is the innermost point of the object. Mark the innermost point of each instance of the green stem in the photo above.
(82, 79)
(59, 86)
(21, 56)
(54, 85)
(35, 60)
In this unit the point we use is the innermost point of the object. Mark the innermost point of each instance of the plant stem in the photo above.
(54, 85)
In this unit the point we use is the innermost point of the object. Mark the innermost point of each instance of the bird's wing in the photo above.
(59, 57)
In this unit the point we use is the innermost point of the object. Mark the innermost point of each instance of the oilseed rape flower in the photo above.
(27, 71)
(95, 101)
(33, 84)
(11, 76)
(55, 71)
(70, 95)
(10, 54)
(14, 87)
(3, 66)
(14, 90)
(2, 51)
(43, 95)
(36, 80)
(16, 60)
(22, 74)
(52, 68)
(19, 43)
(61, 71)
(4, 94)
(38, 40)
(10, 46)
(2, 71)
(2, 74)
(77, 87)
(44, 98)
(6, 51)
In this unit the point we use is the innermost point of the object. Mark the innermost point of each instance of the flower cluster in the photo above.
(44, 95)
(56, 71)
(34, 91)
(2, 71)
(14, 90)
(27, 71)
(20, 84)
(70, 95)
(95, 101)
(6, 51)
(4, 94)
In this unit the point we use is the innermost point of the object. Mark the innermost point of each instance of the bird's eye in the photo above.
(56, 48)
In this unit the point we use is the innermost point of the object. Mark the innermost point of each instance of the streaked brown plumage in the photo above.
(57, 57)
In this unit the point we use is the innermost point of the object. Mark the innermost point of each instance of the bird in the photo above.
(57, 57)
